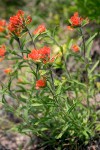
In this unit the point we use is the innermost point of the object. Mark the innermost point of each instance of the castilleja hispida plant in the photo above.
(56, 108)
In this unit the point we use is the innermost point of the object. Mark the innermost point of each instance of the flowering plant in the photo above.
(56, 108)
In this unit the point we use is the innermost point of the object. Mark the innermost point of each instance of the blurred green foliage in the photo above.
(52, 11)
(89, 8)
(9, 7)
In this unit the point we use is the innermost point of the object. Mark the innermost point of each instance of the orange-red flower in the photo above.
(75, 48)
(2, 50)
(20, 12)
(44, 52)
(34, 55)
(41, 28)
(75, 20)
(28, 20)
(42, 55)
(2, 25)
(40, 83)
(70, 28)
(18, 22)
(8, 70)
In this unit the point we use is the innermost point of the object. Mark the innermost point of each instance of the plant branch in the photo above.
(31, 37)
(83, 39)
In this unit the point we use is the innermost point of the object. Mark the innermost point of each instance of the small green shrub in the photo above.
(56, 108)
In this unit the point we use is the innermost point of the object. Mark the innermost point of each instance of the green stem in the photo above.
(52, 79)
(19, 43)
(83, 39)
(37, 68)
(87, 81)
(67, 71)
(53, 95)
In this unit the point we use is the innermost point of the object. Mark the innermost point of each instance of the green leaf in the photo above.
(35, 37)
(62, 132)
(36, 104)
(94, 67)
(9, 83)
(89, 49)
(58, 91)
(25, 114)
(22, 89)
(72, 107)
(90, 39)
(11, 41)
(44, 129)
(23, 98)
(98, 126)
(25, 130)
(48, 33)
(70, 44)
(79, 83)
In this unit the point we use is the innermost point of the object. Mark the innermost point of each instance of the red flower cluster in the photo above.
(2, 50)
(40, 83)
(18, 22)
(2, 25)
(41, 28)
(75, 48)
(77, 21)
(35, 55)
(42, 54)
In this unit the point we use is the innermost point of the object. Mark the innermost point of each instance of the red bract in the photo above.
(2, 50)
(40, 83)
(41, 28)
(34, 55)
(76, 20)
(42, 55)
(20, 13)
(2, 25)
(29, 20)
(18, 23)
(75, 48)
(8, 70)
(44, 52)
